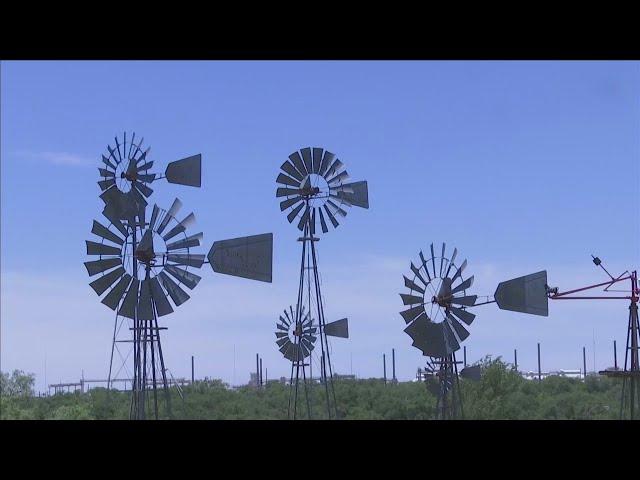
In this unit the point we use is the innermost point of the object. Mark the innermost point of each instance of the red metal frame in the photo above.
(635, 291)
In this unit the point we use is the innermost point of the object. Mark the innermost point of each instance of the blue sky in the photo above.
(522, 166)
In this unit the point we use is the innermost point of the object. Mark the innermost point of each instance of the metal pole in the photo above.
(257, 370)
(584, 362)
(260, 372)
(615, 356)
(515, 356)
(193, 377)
(465, 356)
(384, 368)
(393, 364)
(539, 368)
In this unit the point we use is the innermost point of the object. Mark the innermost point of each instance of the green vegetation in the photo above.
(501, 394)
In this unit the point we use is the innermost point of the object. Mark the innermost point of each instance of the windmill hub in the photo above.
(131, 176)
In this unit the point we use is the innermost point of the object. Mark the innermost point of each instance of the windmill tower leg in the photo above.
(630, 398)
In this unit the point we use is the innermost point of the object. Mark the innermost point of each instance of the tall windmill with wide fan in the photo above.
(314, 184)
(144, 263)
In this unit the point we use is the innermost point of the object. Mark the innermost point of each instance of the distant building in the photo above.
(576, 373)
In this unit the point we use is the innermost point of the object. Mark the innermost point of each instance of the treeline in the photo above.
(500, 394)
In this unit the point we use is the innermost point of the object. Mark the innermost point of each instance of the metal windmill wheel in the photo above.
(136, 265)
(295, 340)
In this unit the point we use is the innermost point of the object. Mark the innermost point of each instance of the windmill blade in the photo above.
(416, 272)
(462, 332)
(145, 307)
(473, 373)
(427, 336)
(187, 171)
(110, 215)
(304, 219)
(291, 319)
(333, 169)
(178, 295)
(175, 207)
(412, 313)
(144, 167)
(334, 222)
(189, 279)
(339, 328)
(323, 224)
(411, 299)
(449, 338)
(281, 335)
(297, 162)
(463, 286)
(286, 320)
(292, 171)
(190, 259)
(98, 266)
(460, 270)
(313, 222)
(327, 160)
(287, 192)
(108, 163)
(145, 247)
(154, 217)
(411, 285)
(466, 301)
(282, 327)
(182, 226)
(106, 173)
(466, 317)
(112, 154)
(163, 307)
(336, 208)
(442, 259)
(118, 147)
(286, 180)
(128, 307)
(104, 184)
(294, 213)
(146, 191)
(317, 160)
(359, 196)
(453, 259)
(311, 339)
(288, 202)
(115, 295)
(306, 158)
(102, 231)
(149, 178)
(105, 281)
(94, 248)
(340, 177)
(192, 241)
(433, 261)
(526, 294)
(282, 341)
(247, 257)
(424, 265)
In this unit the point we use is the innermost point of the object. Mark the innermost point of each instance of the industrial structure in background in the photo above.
(145, 257)
(315, 185)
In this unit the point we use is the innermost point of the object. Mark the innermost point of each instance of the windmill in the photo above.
(438, 285)
(315, 192)
(144, 263)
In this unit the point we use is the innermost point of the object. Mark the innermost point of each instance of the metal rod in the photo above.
(610, 282)
(539, 368)
(193, 377)
(584, 362)
(465, 356)
(384, 368)
(515, 356)
(615, 356)
(393, 364)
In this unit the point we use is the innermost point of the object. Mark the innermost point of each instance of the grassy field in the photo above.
(500, 394)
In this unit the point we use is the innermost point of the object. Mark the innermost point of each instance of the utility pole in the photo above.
(615, 356)
(193, 376)
(584, 362)
(393, 363)
(384, 368)
(515, 357)
(539, 368)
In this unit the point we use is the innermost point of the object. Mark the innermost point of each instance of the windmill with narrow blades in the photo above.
(144, 263)
(313, 183)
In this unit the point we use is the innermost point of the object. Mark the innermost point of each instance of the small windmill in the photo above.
(316, 193)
